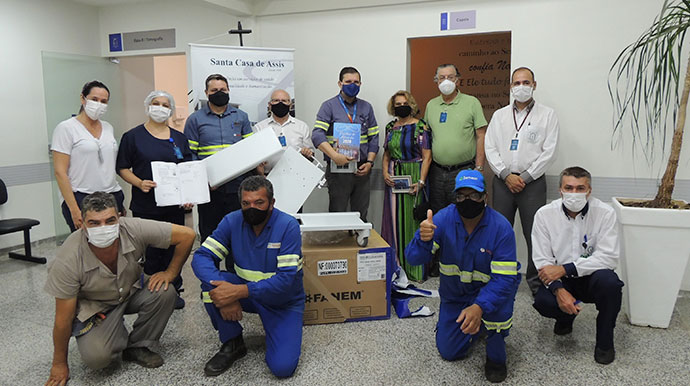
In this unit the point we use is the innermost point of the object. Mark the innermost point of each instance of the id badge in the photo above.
(444, 115)
(282, 140)
(178, 153)
(514, 144)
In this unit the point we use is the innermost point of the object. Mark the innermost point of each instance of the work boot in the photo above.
(229, 352)
(495, 372)
(179, 303)
(604, 357)
(563, 328)
(142, 356)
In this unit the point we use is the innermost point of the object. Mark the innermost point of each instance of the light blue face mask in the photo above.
(351, 89)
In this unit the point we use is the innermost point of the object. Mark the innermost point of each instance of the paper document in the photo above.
(182, 183)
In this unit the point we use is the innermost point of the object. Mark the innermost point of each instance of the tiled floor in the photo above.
(395, 351)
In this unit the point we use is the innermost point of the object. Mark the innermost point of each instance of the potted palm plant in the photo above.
(650, 99)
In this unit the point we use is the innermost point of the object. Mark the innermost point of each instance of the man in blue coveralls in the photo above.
(265, 246)
(479, 272)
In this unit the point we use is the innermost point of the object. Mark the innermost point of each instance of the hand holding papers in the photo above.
(178, 184)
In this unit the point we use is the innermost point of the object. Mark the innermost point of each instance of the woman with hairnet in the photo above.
(154, 141)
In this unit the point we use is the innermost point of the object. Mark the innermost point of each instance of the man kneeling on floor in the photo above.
(575, 250)
(479, 273)
(264, 245)
(97, 277)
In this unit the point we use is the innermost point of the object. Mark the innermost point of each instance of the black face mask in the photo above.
(219, 98)
(469, 208)
(254, 216)
(403, 111)
(280, 109)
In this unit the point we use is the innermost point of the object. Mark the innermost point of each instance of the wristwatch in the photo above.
(479, 168)
(371, 162)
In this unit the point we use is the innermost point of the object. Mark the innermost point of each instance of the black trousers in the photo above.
(223, 201)
(158, 259)
(442, 186)
(347, 188)
(602, 288)
(79, 196)
(528, 201)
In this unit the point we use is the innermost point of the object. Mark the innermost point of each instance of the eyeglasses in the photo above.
(451, 78)
(474, 196)
(274, 101)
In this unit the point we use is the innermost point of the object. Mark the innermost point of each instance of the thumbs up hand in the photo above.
(426, 227)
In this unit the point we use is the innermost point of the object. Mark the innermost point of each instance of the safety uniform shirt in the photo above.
(479, 268)
(332, 111)
(76, 272)
(582, 245)
(208, 132)
(270, 263)
(522, 142)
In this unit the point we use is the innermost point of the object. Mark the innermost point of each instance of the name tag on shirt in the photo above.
(273, 245)
(514, 144)
(444, 116)
(282, 140)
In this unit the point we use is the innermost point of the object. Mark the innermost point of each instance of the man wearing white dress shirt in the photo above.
(520, 145)
(291, 132)
(575, 241)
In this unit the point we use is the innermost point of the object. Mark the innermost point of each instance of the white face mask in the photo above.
(446, 87)
(159, 113)
(574, 202)
(103, 236)
(522, 93)
(95, 110)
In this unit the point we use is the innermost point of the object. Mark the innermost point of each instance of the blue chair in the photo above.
(12, 225)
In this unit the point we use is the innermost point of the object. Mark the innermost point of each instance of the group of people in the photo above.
(111, 265)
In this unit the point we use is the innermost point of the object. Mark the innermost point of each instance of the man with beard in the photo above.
(479, 273)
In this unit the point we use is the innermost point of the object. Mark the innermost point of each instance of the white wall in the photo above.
(26, 29)
(193, 21)
(569, 44)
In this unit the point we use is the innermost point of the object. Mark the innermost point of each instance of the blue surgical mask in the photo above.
(351, 89)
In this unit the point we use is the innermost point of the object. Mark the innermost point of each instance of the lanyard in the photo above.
(354, 113)
(517, 129)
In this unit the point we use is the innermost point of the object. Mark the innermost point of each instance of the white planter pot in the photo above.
(655, 247)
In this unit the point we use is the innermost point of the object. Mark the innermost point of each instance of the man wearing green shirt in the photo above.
(458, 126)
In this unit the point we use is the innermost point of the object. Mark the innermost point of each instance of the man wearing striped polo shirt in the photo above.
(348, 187)
(214, 127)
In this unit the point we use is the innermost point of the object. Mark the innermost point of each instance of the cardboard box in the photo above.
(344, 282)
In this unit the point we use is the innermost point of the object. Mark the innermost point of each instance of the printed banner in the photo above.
(253, 73)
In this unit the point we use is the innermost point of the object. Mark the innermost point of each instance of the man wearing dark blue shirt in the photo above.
(347, 188)
(264, 246)
(215, 127)
(479, 273)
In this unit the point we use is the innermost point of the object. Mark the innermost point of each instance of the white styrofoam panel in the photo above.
(293, 179)
(242, 156)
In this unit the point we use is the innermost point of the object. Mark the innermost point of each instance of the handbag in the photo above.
(420, 208)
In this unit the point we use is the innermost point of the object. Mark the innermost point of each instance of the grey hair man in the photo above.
(457, 125)
(97, 277)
